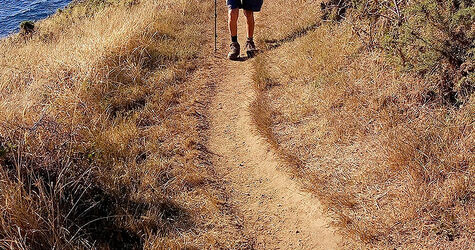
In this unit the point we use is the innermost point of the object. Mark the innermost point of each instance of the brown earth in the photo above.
(273, 209)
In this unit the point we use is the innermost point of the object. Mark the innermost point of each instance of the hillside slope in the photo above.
(121, 129)
(386, 149)
(102, 132)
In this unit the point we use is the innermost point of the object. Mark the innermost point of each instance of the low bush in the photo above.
(432, 38)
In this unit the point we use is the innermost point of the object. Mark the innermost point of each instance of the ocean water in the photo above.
(13, 12)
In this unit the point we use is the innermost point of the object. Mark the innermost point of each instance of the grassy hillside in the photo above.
(101, 128)
(103, 123)
(385, 141)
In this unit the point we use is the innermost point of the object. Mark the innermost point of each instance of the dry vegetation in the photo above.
(393, 163)
(101, 131)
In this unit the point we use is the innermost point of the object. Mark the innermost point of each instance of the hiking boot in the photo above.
(235, 51)
(250, 48)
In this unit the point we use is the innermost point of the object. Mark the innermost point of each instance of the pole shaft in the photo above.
(215, 26)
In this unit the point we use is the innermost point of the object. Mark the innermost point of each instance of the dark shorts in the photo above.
(253, 5)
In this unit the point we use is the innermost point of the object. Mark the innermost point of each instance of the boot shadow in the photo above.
(246, 57)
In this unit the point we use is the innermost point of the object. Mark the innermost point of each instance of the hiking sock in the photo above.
(234, 39)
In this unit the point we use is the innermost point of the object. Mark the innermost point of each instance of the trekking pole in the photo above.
(215, 27)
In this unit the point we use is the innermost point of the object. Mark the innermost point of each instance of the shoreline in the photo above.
(16, 28)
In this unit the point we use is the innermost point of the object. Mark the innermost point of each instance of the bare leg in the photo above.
(232, 21)
(234, 47)
(250, 23)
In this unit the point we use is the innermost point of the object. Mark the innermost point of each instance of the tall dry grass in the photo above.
(394, 168)
(101, 131)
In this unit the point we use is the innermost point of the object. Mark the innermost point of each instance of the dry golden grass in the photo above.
(280, 23)
(101, 131)
(394, 169)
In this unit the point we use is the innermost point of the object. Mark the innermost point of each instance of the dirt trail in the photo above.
(275, 212)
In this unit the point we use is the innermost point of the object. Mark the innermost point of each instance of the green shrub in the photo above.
(434, 39)
(27, 27)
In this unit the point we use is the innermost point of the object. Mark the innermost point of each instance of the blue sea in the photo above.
(13, 12)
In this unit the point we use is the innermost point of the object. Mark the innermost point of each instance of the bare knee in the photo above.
(249, 15)
(233, 15)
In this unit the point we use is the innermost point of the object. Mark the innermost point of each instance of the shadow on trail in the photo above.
(248, 57)
(241, 59)
(276, 43)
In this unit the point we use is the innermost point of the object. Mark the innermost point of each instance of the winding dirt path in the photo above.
(273, 209)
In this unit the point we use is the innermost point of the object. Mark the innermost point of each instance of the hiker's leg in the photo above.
(250, 23)
(232, 21)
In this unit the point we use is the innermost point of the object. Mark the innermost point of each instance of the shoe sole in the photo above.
(233, 58)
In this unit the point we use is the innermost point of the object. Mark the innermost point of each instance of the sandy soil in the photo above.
(273, 209)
